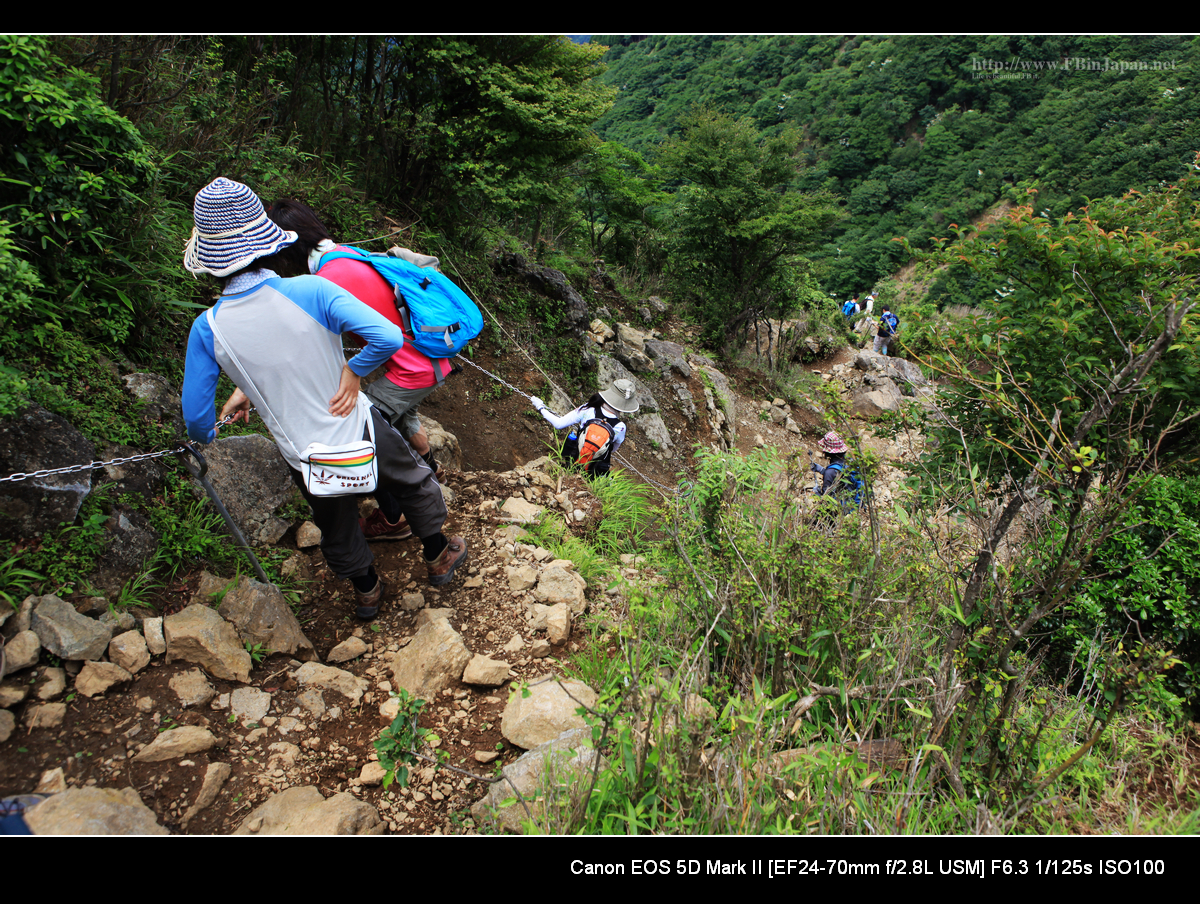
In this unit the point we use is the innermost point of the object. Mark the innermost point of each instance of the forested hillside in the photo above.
(997, 632)
(918, 132)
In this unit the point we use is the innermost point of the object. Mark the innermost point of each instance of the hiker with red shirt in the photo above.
(409, 375)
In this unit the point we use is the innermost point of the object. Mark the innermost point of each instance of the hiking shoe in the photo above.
(368, 603)
(441, 569)
(378, 527)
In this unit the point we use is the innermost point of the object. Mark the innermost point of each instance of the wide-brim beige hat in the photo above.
(621, 396)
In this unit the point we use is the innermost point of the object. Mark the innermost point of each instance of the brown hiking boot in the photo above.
(441, 569)
(378, 527)
(368, 603)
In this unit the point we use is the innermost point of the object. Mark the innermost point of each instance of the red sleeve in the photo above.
(362, 281)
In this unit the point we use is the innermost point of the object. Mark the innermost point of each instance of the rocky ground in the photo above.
(214, 733)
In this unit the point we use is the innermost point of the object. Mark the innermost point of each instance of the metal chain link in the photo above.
(672, 490)
(494, 377)
(95, 465)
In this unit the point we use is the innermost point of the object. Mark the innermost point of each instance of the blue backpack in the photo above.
(439, 318)
(850, 308)
(851, 483)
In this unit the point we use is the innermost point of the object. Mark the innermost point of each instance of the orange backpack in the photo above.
(594, 440)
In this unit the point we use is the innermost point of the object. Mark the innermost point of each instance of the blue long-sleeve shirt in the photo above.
(285, 353)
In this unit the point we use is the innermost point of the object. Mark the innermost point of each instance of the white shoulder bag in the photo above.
(341, 470)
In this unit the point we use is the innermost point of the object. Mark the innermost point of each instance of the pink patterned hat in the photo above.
(831, 443)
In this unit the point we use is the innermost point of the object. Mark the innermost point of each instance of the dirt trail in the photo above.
(326, 743)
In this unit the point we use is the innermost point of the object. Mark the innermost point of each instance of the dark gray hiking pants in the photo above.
(402, 473)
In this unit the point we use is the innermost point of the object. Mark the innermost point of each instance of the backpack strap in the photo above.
(402, 306)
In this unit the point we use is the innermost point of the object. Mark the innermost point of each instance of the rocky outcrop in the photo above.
(67, 634)
(558, 770)
(303, 811)
(261, 614)
(36, 440)
(198, 634)
(546, 712)
(253, 481)
(548, 282)
(434, 658)
(94, 811)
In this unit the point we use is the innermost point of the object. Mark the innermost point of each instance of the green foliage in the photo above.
(396, 743)
(70, 555)
(619, 196)
(16, 580)
(190, 531)
(135, 593)
(1071, 303)
(738, 223)
(916, 131)
(1145, 583)
(72, 378)
(258, 652)
(71, 172)
(629, 511)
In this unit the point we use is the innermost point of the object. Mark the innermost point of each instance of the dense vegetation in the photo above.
(916, 133)
(1034, 602)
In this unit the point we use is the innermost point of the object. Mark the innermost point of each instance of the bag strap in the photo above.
(220, 337)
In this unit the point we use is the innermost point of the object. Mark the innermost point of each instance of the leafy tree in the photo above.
(1071, 303)
(738, 223)
(71, 171)
(928, 107)
(617, 196)
(1063, 399)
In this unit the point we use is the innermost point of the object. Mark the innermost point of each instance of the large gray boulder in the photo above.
(303, 811)
(443, 444)
(558, 770)
(547, 712)
(200, 635)
(130, 546)
(143, 479)
(876, 395)
(36, 440)
(630, 349)
(94, 811)
(261, 614)
(67, 634)
(669, 356)
(160, 400)
(253, 481)
(433, 659)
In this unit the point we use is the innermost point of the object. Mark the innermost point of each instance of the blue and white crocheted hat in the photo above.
(231, 230)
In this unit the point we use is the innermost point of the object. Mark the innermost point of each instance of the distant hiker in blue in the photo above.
(837, 478)
(850, 309)
(889, 325)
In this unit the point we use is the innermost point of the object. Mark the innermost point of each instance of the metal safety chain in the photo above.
(616, 455)
(95, 465)
(500, 380)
